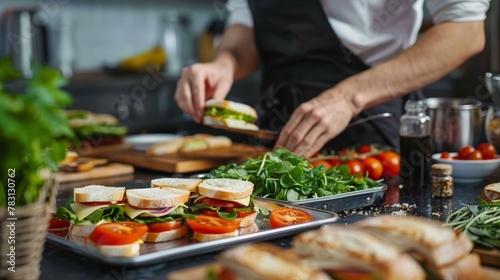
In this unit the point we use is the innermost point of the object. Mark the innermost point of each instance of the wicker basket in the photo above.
(30, 232)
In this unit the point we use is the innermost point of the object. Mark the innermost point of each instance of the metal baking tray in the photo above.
(152, 253)
(344, 201)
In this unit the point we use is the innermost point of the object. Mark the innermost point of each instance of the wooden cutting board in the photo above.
(110, 170)
(489, 257)
(185, 163)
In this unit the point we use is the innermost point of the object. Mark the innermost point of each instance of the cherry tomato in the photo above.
(476, 155)
(365, 149)
(390, 162)
(335, 161)
(118, 233)
(355, 167)
(166, 226)
(284, 216)
(487, 150)
(445, 155)
(374, 167)
(212, 225)
(465, 152)
(220, 203)
(324, 162)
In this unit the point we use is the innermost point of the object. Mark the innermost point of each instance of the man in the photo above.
(327, 62)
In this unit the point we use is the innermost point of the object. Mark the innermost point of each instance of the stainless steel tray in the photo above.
(152, 253)
(344, 201)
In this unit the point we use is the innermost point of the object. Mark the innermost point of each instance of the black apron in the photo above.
(302, 57)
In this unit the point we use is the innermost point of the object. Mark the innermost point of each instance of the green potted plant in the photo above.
(34, 137)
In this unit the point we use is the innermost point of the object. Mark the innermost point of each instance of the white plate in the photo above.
(470, 171)
(143, 141)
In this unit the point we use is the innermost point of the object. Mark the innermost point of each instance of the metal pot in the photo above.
(455, 122)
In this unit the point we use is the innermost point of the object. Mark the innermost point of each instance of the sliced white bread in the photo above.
(127, 250)
(214, 142)
(225, 189)
(177, 183)
(340, 247)
(84, 229)
(253, 227)
(98, 193)
(203, 237)
(230, 123)
(152, 198)
(273, 263)
(232, 106)
(428, 241)
(491, 192)
(218, 142)
(164, 236)
(466, 268)
(247, 221)
(165, 148)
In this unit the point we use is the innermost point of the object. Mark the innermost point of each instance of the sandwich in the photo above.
(229, 114)
(162, 210)
(266, 261)
(346, 253)
(491, 193)
(118, 239)
(229, 199)
(177, 183)
(442, 251)
(91, 206)
(188, 144)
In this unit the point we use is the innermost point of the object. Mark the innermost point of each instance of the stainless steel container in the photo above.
(455, 122)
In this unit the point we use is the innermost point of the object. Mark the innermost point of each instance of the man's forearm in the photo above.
(238, 51)
(440, 50)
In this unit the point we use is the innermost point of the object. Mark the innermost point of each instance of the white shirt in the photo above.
(377, 30)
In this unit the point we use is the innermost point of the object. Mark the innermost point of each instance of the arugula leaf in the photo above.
(228, 114)
(111, 213)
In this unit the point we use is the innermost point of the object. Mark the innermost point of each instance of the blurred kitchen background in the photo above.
(113, 53)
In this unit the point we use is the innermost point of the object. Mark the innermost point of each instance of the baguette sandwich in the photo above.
(91, 206)
(229, 199)
(443, 251)
(177, 183)
(345, 252)
(96, 129)
(229, 114)
(162, 210)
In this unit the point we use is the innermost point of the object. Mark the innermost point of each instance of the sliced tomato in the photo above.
(487, 150)
(118, 233)
(220, 203)
(212, 225)
(284, 216)
(166, 226)
(324, 162)
(209, 212)
(243, 214)
(56, 223)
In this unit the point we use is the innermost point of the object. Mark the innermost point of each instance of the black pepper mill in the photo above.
(415, 145)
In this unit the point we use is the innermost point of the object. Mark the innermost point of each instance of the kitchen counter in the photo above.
(57, 262)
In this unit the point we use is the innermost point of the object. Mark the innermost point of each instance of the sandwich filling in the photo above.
(157, 215)
(83, 213)
(226, 209)
(228, 114)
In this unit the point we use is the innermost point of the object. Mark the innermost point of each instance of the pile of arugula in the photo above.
(286, 176)
(480, 222)
(33, 133)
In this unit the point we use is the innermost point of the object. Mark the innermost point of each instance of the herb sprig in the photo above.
(286, 176)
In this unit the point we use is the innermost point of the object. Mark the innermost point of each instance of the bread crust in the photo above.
(232, 106)
(491, 192)
(225, 189)
(164, 236)
(247, 221)
(203, 237)
(98, 193)
(152, 198)
(177, 183)
(127, 250)
(230, 123)
(466, 268)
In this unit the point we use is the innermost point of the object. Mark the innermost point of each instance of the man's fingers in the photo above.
(311, 140)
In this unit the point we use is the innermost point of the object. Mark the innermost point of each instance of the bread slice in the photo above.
(177, 183)
(343, 247)
(230, 123)
(251, 228)
(127, 250)
(491, 193)
(467, 267)
(84, 229)
(203, 237)
(225, 189)
(247, 221)
(274, 263)
(98, 193)
(232, 106)
(428, 241)
(166, 235)
(70, 157)
(157, 198)
(165, 148)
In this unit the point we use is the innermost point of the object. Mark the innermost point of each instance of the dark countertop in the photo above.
(59, 262)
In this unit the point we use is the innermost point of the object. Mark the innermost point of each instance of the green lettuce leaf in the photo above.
(228, 114)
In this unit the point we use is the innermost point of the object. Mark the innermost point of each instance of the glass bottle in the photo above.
(441, 180)
(173, 43)
(415, 145)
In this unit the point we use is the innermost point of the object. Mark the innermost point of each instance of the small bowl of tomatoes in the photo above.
(471, 164)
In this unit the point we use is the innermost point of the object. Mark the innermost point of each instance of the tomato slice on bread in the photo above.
(220, 203)
(118, 233)
(212, 225)
(284, 216)
(166, 226)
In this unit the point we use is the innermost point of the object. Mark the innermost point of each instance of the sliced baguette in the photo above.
(232, 106)
(175, 145)
(203, 237)
(225, 189)
(177, 183)
(157, 198)
(247, 221)
(428, 241)
(98, 193)
(231, 123)
(164, 236)
(491, 193)
(340, 247)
